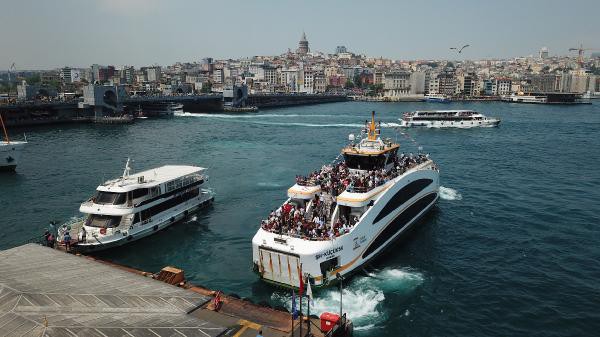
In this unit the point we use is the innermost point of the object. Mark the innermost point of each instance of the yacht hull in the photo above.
(158, 223)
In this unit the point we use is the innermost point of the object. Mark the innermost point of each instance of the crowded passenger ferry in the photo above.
(134, 206)
(447, 119)
(341, 216)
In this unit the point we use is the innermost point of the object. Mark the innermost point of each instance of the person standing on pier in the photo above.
(83, 235)
(67, 241)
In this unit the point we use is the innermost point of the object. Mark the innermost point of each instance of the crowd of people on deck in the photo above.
(334, 179)
(293, 220)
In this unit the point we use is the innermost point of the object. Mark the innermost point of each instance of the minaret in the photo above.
(303, 45)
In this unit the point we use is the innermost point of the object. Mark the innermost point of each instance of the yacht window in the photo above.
(103, 221)
(110, 198)
(140, 192)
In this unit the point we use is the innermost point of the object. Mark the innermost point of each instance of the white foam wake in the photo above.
(240, 116)
(447, 193)
(362, 297)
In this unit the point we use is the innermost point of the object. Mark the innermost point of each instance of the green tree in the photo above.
(206, 88)
(349, 84)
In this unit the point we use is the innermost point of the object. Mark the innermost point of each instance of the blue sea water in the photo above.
(513, 247)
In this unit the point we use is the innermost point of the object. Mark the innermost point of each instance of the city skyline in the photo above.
(136, 32)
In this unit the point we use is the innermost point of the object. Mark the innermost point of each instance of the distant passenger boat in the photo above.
(539, 99)
(10, 151)
(437, 98)
(162, 109)
(137, 205)
(447, 119)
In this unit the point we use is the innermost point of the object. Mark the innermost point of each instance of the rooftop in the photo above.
(45, 292)
(152, 177)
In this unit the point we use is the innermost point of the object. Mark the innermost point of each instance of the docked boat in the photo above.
(437, 98)
(533, 99)
(10, 150)
(342, 216)
(447, 119)
(134, 206)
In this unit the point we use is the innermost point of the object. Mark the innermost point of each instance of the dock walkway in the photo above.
(45, 292)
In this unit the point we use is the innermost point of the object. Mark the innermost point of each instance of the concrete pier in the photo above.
(47, 292)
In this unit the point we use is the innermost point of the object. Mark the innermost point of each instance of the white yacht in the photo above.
(10, 150)
(137, 205)
(447, 119)
(347, 213)
(438, 98)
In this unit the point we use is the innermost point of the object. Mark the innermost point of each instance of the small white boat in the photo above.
(135, 206)
(447, 119)
(437, 98)
(10, 151)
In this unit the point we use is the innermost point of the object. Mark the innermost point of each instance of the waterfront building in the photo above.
(303, 45)
(320, 83)
(470, 85)
(447, 83)
(503, 86)
(102, 73)
(417, 83)
(396, 84)
(308, 81)
(217, 76)
(65, 75)
(153, 74)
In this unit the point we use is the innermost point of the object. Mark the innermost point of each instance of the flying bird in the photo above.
(461, 48)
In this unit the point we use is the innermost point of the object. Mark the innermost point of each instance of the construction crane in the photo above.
(580, 50)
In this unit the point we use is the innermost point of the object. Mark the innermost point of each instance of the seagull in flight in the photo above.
(461, 48)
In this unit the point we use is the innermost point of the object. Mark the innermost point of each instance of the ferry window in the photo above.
(140, 192)
(110, 198)
(103, 221)
(364, 162)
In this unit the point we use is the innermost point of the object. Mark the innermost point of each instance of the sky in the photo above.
(46, 34)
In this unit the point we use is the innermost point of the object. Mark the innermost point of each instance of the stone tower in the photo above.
(303, 45)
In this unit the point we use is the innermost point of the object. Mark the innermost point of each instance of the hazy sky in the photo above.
(53, 33)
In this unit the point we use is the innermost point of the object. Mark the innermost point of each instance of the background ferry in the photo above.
(447, 119)
(437, 98)
(137, 205)
(347, 213)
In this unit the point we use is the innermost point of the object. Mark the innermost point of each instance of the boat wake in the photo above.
(363, 297)
(447, 193)
(241, 116)
(336, 125)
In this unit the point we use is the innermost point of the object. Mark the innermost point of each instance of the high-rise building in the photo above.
(341, 49)
(544, 53)
(303, 45)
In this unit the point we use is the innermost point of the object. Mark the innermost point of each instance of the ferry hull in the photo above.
(281, 260)
(490, 123)
(143, 231)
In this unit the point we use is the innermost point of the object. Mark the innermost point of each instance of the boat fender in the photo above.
(155, 228)
(129, 237)
(185, 213)
(172, 219)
